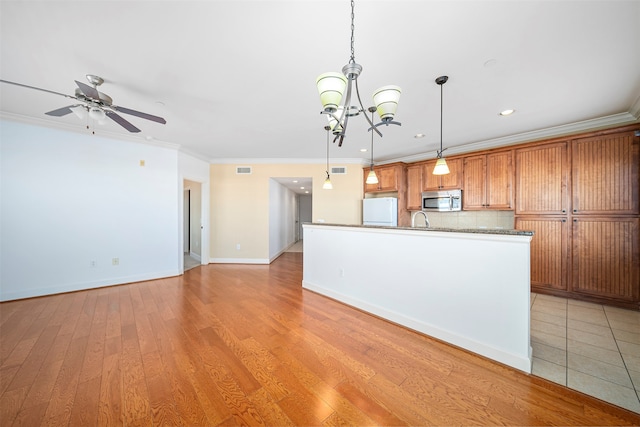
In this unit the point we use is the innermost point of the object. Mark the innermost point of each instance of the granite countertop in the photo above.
(503, 231)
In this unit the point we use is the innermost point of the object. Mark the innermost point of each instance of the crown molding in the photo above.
(285, 161)
(547, 133)
(55, 124)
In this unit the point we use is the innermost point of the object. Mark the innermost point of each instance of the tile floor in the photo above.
(587, 347)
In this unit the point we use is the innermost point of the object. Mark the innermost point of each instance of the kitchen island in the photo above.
(469, 288)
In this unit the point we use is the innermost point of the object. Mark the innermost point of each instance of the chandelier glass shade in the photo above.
(441, 167)
(336, 90)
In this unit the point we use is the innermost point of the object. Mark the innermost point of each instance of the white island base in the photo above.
(470, 289)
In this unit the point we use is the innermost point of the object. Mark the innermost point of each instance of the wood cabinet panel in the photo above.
(451, 181)
(605, 174)
(542, 176)
(487, 181)
(549, 251)
(390, 178)
(414, 187)
(499, 186)
(605, 257)
(474, 171)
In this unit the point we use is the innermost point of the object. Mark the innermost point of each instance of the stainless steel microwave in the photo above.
(443, 201)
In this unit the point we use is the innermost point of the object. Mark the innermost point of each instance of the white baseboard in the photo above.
(239, 261)
(82, 286)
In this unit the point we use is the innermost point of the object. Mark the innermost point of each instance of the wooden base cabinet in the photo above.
(549, 251)
(605, 258)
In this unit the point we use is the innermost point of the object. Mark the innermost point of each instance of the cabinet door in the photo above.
(388, 178)
(430, 182)
(605, 174)
(414, 188)
(605, 257)
(549, 251)
(542, 175)
(498, 182)
(452, 180)
(474, 172)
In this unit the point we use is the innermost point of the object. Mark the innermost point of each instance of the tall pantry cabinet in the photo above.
(581, 198)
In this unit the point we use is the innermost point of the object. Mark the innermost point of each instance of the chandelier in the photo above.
(337, 105)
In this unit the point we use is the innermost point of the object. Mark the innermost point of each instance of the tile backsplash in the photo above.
(469, 219)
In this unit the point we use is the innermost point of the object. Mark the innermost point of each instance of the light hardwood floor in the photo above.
(246, 345)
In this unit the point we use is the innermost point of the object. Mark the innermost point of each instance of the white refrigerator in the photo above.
(380, 211)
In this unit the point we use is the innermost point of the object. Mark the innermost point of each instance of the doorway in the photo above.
(192, 224)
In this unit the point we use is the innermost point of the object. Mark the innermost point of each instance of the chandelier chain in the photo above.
(353, 55)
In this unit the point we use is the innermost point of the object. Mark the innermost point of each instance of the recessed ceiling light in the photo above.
(306, 192)
(295, 181)
(302, 188)
(419, 135)
(507, 112)
(363, 150)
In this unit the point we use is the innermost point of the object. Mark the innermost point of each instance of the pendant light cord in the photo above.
(440, 153)
(372, 110)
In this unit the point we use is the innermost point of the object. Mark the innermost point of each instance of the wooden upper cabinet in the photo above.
(542, 176)
(414, 187)
(450, 181)
(605, 174)
(487, 181)
(390, 178)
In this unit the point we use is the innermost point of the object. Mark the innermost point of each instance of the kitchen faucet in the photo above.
(426, 220)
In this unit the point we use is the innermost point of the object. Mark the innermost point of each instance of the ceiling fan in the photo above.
(97, 104)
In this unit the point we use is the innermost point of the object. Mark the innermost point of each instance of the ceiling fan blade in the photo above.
(139, 114)
(60, 111)
(89, 91)
(37, 88)
(122, 122)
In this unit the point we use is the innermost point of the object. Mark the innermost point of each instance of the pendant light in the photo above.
(338, 108)
(372, 178)
(327, 182)
(441, 164)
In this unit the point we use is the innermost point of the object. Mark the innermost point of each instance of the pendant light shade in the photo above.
(372, 178)
(327, 184)
(386, 101)
(331, 87)
(441, 167)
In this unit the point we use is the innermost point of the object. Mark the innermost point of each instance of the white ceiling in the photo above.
(235, 80)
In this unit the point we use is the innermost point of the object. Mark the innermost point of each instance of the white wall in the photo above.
(468, 289)
(72, 202)
(282, 217)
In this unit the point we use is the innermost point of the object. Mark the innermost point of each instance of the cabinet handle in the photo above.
(564, 211)
(575, 211)
(564, 220)
(575, 220)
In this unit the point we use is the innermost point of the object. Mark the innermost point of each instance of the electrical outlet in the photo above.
(92, 264)
(238, 247)
(115, 261)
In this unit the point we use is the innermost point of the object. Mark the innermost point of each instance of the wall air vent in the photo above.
(243, 170)
(338, 170)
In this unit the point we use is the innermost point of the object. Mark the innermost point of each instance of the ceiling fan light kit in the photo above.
(336, 104)
(97, 105)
